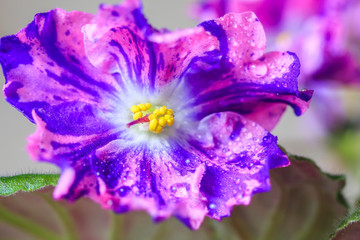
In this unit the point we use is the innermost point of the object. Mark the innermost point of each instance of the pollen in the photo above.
(160, 118)
(138, 109)
(138, 115)
(157, 118)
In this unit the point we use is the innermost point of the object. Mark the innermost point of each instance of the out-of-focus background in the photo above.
(303, 136)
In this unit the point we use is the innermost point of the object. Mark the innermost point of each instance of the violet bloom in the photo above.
(319, 31)
(172, 123)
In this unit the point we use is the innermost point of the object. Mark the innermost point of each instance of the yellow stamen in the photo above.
(153, 124)
(162, 121)
(134, 108)
(142, 106)
(163, 110)
(138, 115)
(152, 116)
(158, 129)
(156, 112)
(158, 119)
(170, 121)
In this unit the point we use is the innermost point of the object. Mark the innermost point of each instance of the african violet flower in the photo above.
(173, 123)
(318, 31)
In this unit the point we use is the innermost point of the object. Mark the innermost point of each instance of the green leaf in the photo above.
(26, 182)
(349, 228)
(304, 203)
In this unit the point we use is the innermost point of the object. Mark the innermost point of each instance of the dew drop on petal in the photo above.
(267, 139)
(258, 70)
(212, 206)
(180, 190)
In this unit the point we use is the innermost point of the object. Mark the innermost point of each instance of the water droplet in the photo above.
(267, 139)
(225, 150)
(124, 190)
(212, 206)
(180, 190)
(258, 70)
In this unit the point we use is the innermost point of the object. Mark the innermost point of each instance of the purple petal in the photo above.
(123, 177)
(116, 43)
(141, 55)
(207, 176)
(45, 65)
(244, 80)
(240, 155)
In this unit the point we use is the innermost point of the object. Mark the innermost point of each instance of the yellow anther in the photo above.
(162, 121)
(134, 109)
(148, 106)
(163, 110)
(158, 129)
(142, 106)
(156, 112)
(153, 124)
(138, 115)
(151, 117)
(159, 119)
(170, 121)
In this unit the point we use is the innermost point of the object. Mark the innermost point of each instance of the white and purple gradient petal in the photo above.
(76, 75)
